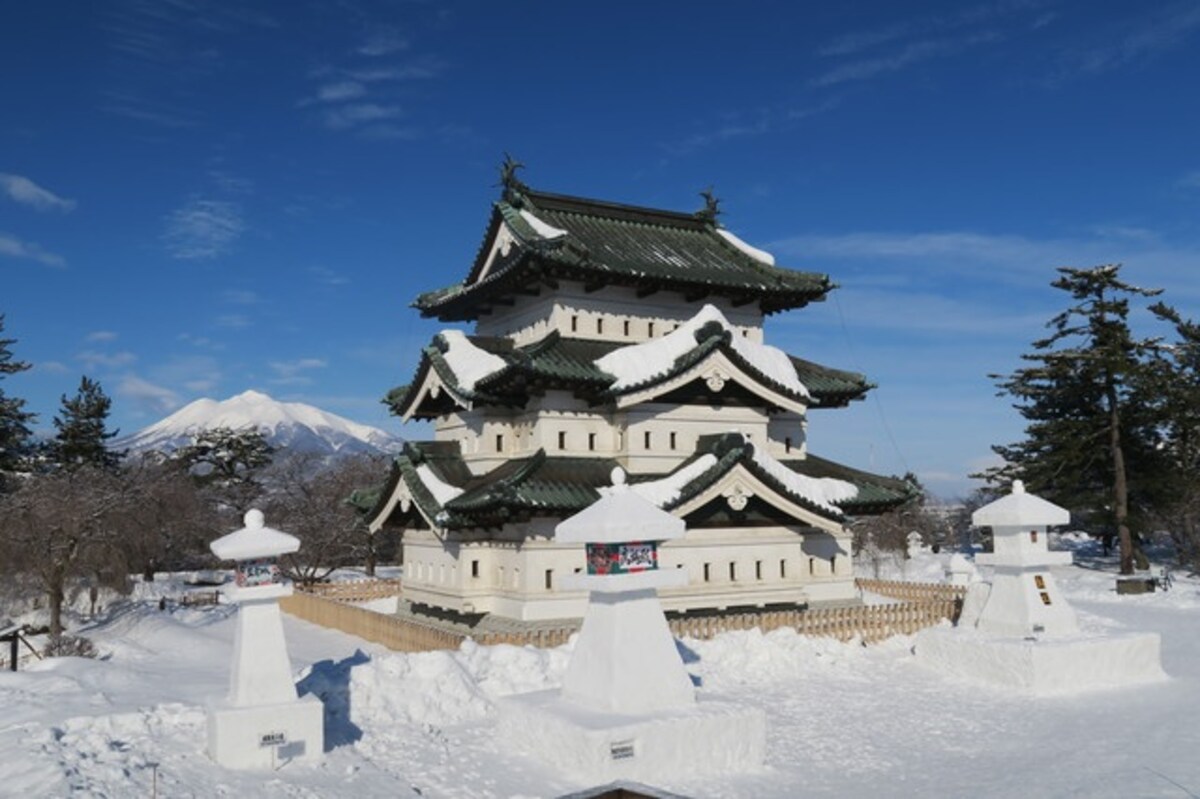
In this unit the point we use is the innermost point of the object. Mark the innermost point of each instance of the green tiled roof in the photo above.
(569, 364)
(558, 487)
(612, 244)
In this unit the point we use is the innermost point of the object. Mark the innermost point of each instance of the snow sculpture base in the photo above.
(599, 747)
(1046, 666)
(266, 736)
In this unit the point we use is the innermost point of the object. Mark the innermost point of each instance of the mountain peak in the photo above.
(287, 426)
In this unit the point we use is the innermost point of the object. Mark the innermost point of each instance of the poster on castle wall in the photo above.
(623, 558)
(262, 571)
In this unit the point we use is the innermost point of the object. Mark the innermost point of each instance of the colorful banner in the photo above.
(262, 571)
(623, 558)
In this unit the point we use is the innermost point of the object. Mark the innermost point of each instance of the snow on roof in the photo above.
(442, 491)
(754, 252)
(821, 491)
(666, 490)
(469, 363)
(543, 229)
(638, 363)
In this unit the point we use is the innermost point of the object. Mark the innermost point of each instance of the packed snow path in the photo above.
(843, 720)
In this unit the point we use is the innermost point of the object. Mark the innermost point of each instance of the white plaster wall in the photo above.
(784, 426)
(771, 565)
(531, 318)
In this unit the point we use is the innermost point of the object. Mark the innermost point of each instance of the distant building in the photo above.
(607, 335)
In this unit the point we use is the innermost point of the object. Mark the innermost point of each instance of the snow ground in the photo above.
(843, 720)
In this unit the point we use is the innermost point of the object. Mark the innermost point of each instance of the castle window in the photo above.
(625, 328)
(592, 442)
(499, 442)
(732, 572)
(574, 323)
(1033, 536)
(672, 440)
(782, 568)
(600, 326)
(758, 570)
(646, 440)
(787, 444)
(562, 439)
(707, 572)
(549, 579)
(475, 569)
(650, 329)
(812, 565)
(745, 333)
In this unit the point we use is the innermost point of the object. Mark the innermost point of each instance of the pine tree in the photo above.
(228, 460)
(83, 434)
(15, 434)
(1092, 429)
(1178, 388)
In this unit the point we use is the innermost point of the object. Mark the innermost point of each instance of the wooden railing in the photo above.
(912, 592)
(926, 606)
(353, 590)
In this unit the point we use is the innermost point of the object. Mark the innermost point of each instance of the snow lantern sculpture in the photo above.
(1019, 631)
(625, 660)
(627, 708)
(262, 722)
(1024, 599)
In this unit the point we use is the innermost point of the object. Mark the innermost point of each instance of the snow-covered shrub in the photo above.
(73, 646)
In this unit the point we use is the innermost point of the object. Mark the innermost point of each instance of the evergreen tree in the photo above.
(1091, 432)
(1178, 388)
(229, 460)
(14, 419)
(82, 425)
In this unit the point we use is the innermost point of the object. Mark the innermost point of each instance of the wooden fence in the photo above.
(913, 592)
(353, 590)
(925, 605)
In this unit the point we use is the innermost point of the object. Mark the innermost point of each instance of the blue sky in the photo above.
(201, 198)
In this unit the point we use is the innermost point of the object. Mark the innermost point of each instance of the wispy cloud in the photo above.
(232, 321)
(984, 259)
(351, 116)
(294, 372)
(911, 53)
(1131, 42)
(158, 399)
(1191, 180)
(13, 247)
(328, 276)
(92, 359)
(24, 191)
(383, 41)
(101, 336)
(239, 297)
(202, 229)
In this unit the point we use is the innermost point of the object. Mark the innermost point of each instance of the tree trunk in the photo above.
(370, 555)
(148, 571)
(1120, 483)
(56, 604)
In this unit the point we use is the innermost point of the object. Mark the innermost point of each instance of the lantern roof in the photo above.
(1020, 509)
(255, 540)
(620, 515)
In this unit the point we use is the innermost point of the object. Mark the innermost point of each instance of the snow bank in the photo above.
(638, 363)
(469, 363)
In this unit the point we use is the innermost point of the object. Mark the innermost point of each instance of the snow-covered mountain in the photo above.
(288, 426)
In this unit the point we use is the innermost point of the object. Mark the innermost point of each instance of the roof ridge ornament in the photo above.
(711, 209)
(512, 186)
